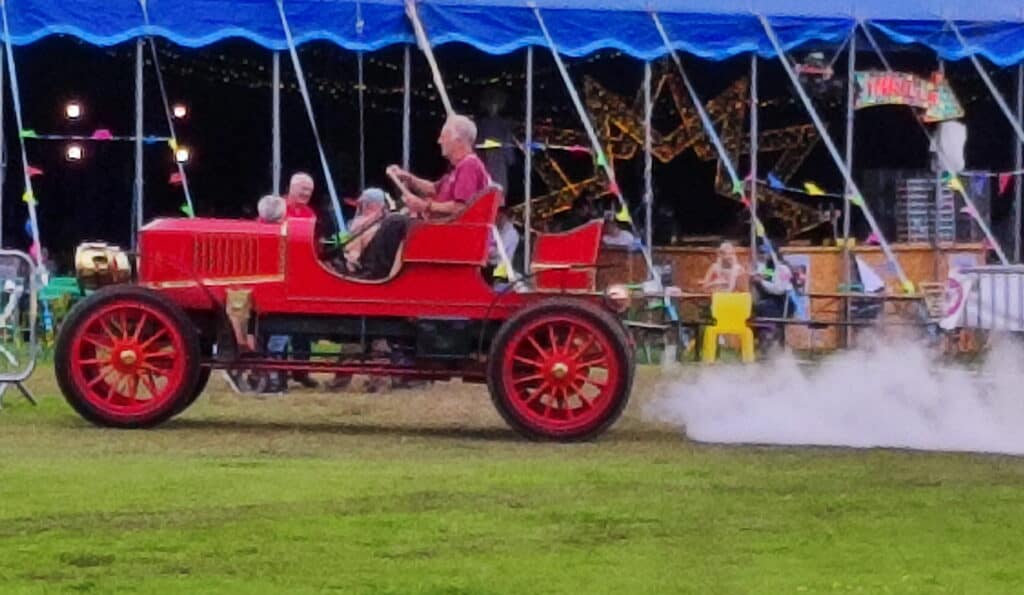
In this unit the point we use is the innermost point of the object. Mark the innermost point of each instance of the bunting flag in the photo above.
(33, 171)
(623, 215)
(745, 201)
(28, 197)
(1004, 183)
(737, 187)
(173, 144)
(955, 184)
(978, 185)
(872, 239)
(491, 143)
(28, 133)
(175, 179)
(813, 189)
(500, 272)
(759, 229)
(152, 140)
(775, 183)
(613, 187)
(969, 210)
(870, 280)
(602, 161)
(857, 200)
(102, 134)
(187, 210)
(908, 287)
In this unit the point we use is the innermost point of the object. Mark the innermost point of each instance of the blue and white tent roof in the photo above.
(714, 29)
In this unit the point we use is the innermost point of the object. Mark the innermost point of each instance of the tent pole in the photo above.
(189, 208)
(139, 132)
(29, 196)
(424, 42)
(1014, 123)
(851, 96)
(3, 149)
(943, 158)
(304, 91)
(1000, 101)
(361, 95)
(754, 138)
(908, 286)
(406, 106)
(648, 162)
(275, 160)
(716, 140)
(1019, 161)
(528, 161)
(595, 142)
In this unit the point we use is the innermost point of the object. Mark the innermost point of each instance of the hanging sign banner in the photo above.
(933, 95)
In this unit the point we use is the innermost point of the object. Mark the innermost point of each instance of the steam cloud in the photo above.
(894, 394)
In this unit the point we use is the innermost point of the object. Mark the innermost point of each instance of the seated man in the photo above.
(371, 211)
(378, 257)
(466, 178)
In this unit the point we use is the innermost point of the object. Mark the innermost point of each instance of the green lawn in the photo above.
(427, 492)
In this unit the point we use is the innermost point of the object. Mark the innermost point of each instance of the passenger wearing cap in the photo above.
(371, 208)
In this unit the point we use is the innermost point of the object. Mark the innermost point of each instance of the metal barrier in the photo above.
(19, 312)
(986, 297)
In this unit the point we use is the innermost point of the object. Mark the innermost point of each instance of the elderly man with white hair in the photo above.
(300, 192)
(466, 178)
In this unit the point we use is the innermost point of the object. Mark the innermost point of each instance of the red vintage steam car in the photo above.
(556, 359)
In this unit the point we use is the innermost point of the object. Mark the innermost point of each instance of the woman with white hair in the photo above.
(271, 209)
(466, 178)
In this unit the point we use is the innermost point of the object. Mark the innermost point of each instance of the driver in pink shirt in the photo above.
(466, 178)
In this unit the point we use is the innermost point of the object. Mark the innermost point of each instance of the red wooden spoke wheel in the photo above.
(561, 369)
(127, 357)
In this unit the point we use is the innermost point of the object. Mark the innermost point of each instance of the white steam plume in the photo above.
(892, 395)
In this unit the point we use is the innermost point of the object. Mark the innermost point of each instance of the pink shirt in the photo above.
(464, 181)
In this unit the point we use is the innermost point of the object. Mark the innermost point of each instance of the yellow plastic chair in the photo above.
(730, 312)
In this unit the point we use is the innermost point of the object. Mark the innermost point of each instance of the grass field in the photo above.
(427, 492)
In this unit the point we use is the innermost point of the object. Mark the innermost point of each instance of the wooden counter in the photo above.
(826, 274)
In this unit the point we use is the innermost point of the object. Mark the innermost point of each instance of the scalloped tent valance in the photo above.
(714, 29)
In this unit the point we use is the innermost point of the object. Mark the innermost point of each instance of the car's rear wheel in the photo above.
(561, 369)
(127, 357)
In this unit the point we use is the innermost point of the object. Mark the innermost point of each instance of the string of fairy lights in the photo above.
(330, 79)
